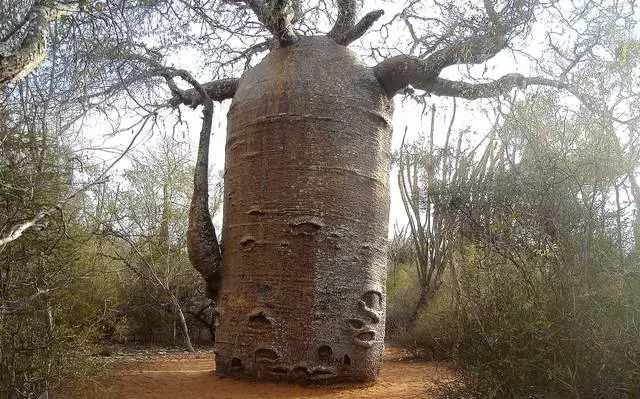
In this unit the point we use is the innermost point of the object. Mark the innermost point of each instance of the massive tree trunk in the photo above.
(306, 200)
(305, 219)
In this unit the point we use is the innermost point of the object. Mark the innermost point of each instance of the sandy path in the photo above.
(192, 376)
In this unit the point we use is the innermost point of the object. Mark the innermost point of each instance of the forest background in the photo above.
(517, 252)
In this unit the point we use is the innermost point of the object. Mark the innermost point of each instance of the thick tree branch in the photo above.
(217, 90)
(473, 91)
(360, 28)
(276, 16)
(473, 50)
(346, 30)
(347, 11)
(202, 242)
(16, 63)
(398, 72)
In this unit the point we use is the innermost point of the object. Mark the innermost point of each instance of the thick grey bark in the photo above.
(276, 16)
(346, 30)
(202, 242)
(305, 219)
(18, 62)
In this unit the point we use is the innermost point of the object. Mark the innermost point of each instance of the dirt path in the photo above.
(192, 376)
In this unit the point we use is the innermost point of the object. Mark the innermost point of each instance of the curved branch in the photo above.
(474, 50)
(473, 91)
(217, 90)
(347, 11)
(360, 28)
(17, 63)
(397, 72)
(202, 243)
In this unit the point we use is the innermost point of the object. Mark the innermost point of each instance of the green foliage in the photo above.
(145, 219)
(47, 317)
(627, 53)
(544, 298)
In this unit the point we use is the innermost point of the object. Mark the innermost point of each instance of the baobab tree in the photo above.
(306, 190)
(300, 280)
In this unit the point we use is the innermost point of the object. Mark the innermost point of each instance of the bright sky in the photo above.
(408, 115)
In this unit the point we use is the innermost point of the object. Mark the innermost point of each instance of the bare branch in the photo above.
(347, 11)
(202, 242)
(17, 230)
(471, 91)
(217, 90)
(276, 17)
(15, 307)
(398, 72)
(360, 28)
(494, 17)
(17, 63)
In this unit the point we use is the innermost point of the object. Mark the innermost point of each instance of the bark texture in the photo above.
(18, 62)
(202, 242)
(305, 219)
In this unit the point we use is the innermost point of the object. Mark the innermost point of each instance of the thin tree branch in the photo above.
(17, 230)
(15, 307)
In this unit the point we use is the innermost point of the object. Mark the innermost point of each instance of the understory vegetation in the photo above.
(540, 293)
(516, 258)
(108, 267)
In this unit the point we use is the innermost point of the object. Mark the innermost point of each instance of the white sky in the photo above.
(407, 116)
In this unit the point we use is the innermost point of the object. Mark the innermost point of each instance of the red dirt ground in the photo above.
(193, 376)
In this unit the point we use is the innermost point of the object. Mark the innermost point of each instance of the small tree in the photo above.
(151, 219)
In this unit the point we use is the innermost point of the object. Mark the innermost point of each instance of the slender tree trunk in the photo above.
(455, 277)
(183, 324)
(422, 303)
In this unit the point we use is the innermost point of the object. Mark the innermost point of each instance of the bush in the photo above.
(548, 334)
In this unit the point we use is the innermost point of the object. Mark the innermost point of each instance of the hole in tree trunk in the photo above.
(247, 244)
(280, 370)
(366, 336)
(373, 299)
(263, 289)
(300, 371)
(259, 320)
(306, 228)
(320, 372)
(346, 360)
(257, 213)
(236, 365)
(324, 351)
(266, 355)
